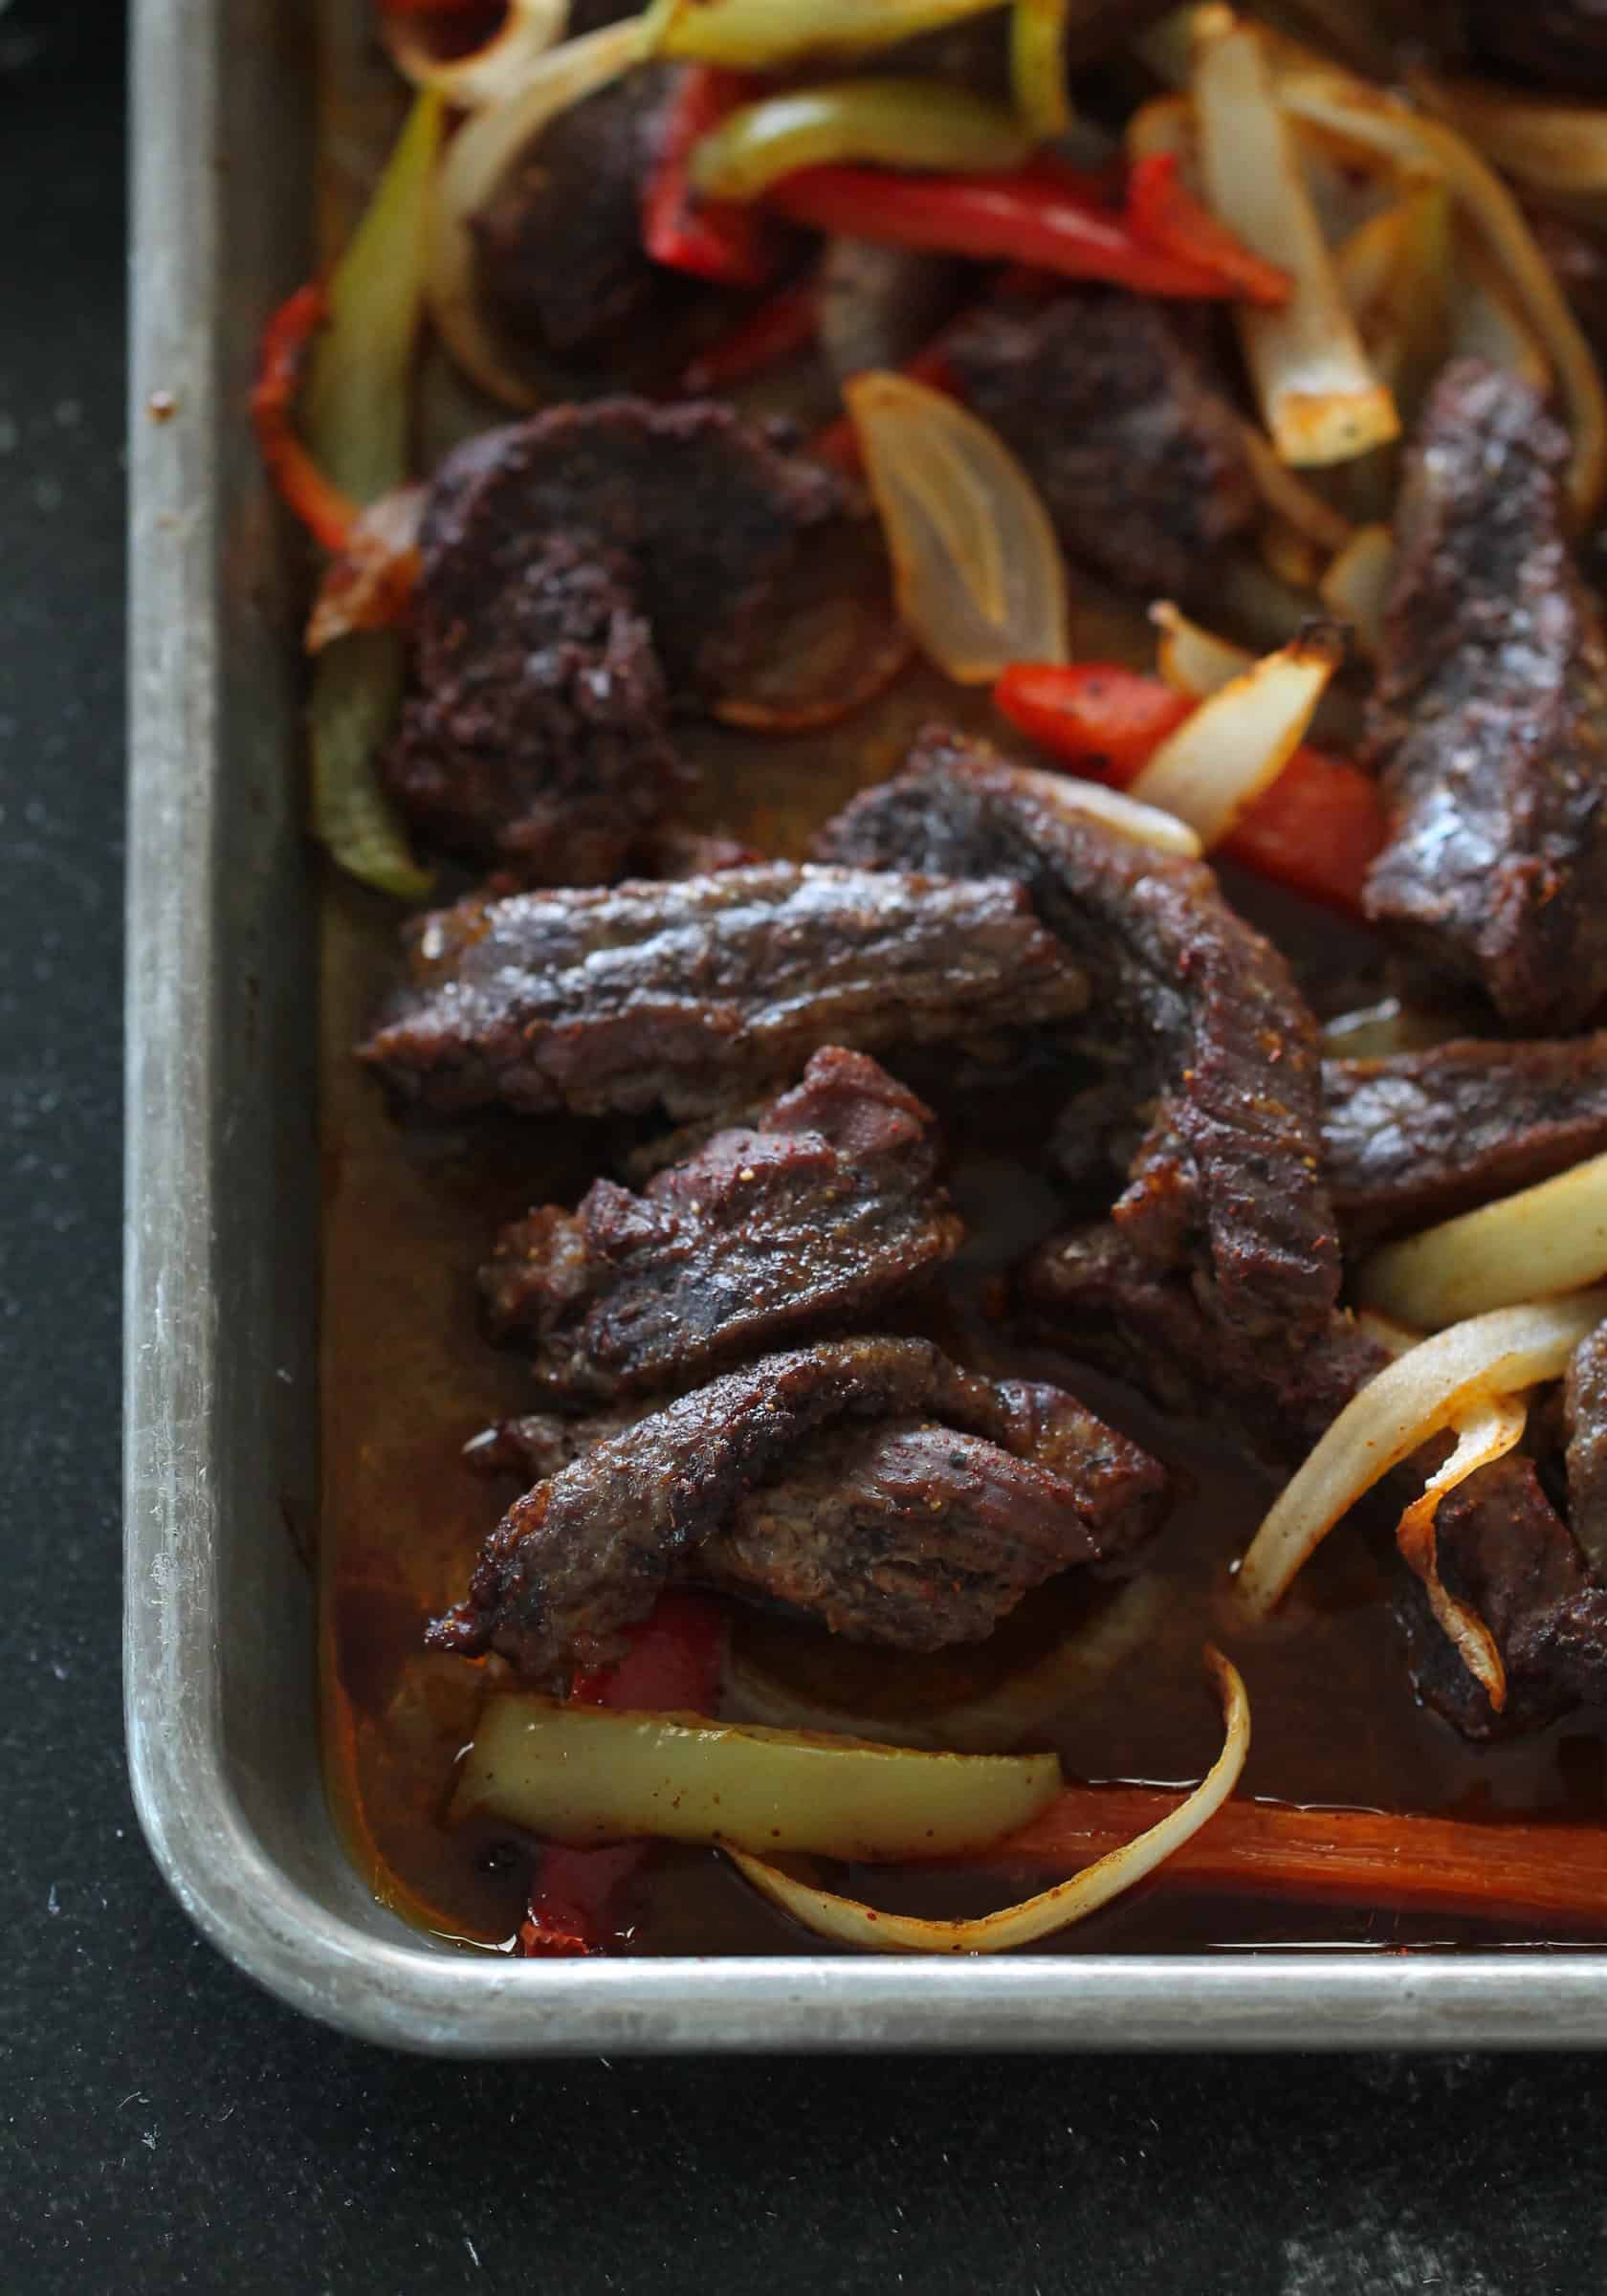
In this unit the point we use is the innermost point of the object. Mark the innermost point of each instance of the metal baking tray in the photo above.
(222, 1250)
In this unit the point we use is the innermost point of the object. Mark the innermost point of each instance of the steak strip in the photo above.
(698, 994)
(815, 1216)
(869, 1481)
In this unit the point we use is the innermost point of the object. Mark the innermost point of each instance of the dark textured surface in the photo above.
(161, 2125)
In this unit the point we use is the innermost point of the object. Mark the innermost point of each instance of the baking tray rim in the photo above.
(399, 1991)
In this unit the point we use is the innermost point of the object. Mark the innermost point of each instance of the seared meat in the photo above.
(1559, 44)
(1504, 1550)
(1491, 717)
(817, 1480)
(1135, 452)
(542, 737)
(1194, 1009)
(699, 993)
(813, 1218)
(1585, 1407)
(1418, 1137)
(558, 254)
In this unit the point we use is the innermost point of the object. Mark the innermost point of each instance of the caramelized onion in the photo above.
(977, 568)
(1193, 660)
(1300, 505)
(1548, 1239)
(369, 583)
(1551, 146)
(1487, 1432)
(1413, 1399)
(590, 1774)
(1239, 740)
(490, 74)
(849, 1922)
(1319, 397)
(1356, 586)
(477, 159)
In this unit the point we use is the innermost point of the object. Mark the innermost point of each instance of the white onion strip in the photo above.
(1551, 146)
(1487, 1432)
(491, 74)
(1319, 396)
(1548, 1239)
(1355, 587)
(1241, 738)
(1193, 660)
(1290, 495)
(1115, 809)
(476, 160)
(849, 1922)
(1421, 1392)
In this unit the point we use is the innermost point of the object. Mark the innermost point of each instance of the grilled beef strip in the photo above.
(1414, 1137)
(1585, 1417)
(1191, 1008)
(867, 1482)
(697, 993)
(1112, 411)
(809, 1220)
(1489, 718)
(581, 572)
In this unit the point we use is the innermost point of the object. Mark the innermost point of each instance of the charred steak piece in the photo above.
(1418, 1137)
(1137, 455)
(1489, 720)
(1194, 1009)
(869, 1481)
(1585, 1408)
(581, 571)
(699, 993)
(811, 1218)
(558, 254)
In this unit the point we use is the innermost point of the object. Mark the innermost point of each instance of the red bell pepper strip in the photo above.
(783, 325)
(1047, 219)
(1318, 829)
(324, 508)
(1164, 214)
(713, 238)
(673, 1666)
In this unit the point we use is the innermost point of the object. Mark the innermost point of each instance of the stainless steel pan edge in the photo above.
(221, 1257)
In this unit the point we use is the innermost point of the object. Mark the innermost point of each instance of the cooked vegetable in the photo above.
(977, 568)
(357, 685)
(1289, 498)
(774, 36)
(1040, 215)
(839, 442)
(1413, 1399)
(845, 1919)
(1548, 146)
(713, 239)
(1378, 123)
(1038, 66)
(368, 585)
(1192, 660)
(583, 1774)
(1164, 213)
(1143, 824)
(1096, 715)
(1237, 742)
(487, 75)
(1487, 323)
(1355, 587)
(890, 122)
(1319, 397)
(1487, 1432)
(476, 159)
(326, 510)
(1544, 1240)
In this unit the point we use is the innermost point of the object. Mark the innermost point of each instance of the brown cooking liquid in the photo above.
(411, 1208)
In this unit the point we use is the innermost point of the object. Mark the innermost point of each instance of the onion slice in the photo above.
(1356, 586)
(1376, 122)
(1543, 1240)
(490, 74)
(977, 569)
(1319, 397)
(1300, 505)
(773, 35)
(848, 1921)
(476, 160)
(1193, 660)
(1487, 1432)
(1239, 740)
(1414, 1398)
(592, 1773)
(1550, 147)
(368, 585)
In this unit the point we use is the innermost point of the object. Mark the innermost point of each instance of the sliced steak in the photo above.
(816, 1479)
(697, 993)
(809, 1221)
(1193, 1010)
(1489, 722)
(1114, 413)
(1418, 1137)
(1585, 1411)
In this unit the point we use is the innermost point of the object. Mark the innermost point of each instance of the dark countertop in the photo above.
(164, 2127)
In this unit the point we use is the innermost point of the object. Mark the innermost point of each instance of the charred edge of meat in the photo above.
(813, 1217)
(697, 993)
(689, 1490)
(1194, 1009)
